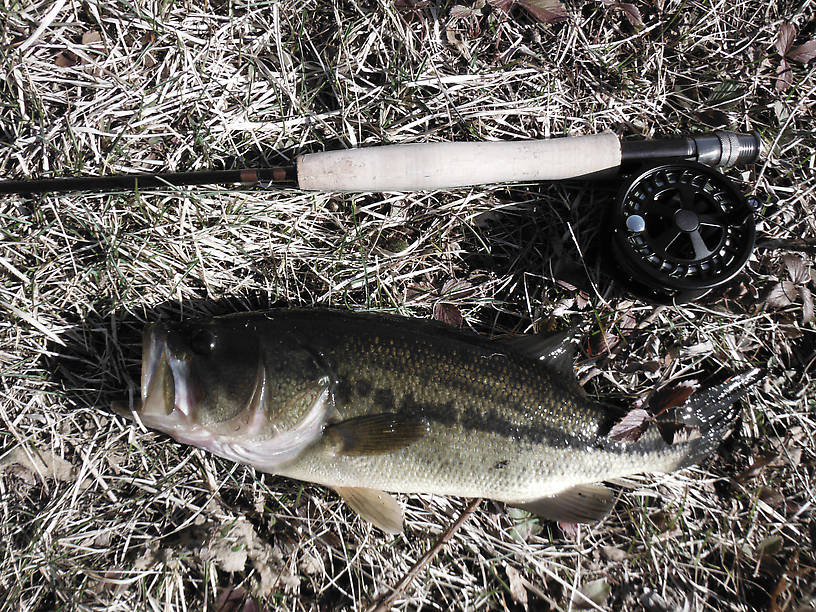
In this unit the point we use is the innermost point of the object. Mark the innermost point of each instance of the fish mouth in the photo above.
(154, 345)
(167, 401)
(174, 402)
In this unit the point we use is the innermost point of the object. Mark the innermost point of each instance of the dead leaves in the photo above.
(785, 292)
(446, 297)
(231, 547)
(662, 407)
(235, 599)
(466, 21)
(545, 11)
(631, 426)
(448, 313)
(517, 590)
(68, 58)
(631, 12)
(591, 595)
(801, 54)
(28, 464)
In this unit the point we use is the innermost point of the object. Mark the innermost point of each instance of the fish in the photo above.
(371, 404)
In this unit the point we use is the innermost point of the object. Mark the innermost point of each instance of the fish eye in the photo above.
(202, 342)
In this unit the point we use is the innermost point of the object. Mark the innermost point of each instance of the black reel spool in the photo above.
(680, 230)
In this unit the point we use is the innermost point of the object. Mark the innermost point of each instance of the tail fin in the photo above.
(709, 413)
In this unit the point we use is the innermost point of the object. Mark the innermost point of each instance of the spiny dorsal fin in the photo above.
(374, 434)
(585, 503)
(377, 507)
(556, 350)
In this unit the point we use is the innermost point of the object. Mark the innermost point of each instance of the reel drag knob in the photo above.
(679, 230)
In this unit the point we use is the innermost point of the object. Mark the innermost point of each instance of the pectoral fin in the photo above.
(374, 434)
(377, 507)
(585, 503)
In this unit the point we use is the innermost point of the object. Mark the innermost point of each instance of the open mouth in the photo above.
(154, 345)
(174, 401)
(166, 398)
(158, 378)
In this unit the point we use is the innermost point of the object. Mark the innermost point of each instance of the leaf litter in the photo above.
(31, 464)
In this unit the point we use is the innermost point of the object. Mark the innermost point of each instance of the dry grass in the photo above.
(130, 520)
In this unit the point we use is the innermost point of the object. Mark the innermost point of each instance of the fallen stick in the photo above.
(383, 603)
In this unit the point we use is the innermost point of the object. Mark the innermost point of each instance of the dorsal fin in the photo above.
(557, 351)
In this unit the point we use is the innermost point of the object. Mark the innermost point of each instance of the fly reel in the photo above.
(678, 231)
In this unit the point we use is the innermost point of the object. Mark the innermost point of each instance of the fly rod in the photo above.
(442, 165)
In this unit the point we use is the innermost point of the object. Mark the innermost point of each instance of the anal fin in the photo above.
(377, 507)
(585, 503)
(374, 434)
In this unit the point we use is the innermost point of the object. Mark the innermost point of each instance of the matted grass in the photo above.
(99, 515)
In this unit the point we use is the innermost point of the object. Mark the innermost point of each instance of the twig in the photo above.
(806, 246)
(384, 602)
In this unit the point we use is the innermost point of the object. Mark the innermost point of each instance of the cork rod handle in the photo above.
(442, 165)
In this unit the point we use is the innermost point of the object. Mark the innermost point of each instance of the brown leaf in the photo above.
(632, 13)
(231, 599)
(796, 268)
(674, 396)
(630, 10)
(546, 11)
(448, 313)
(517, 590)
(784, 76)
(596, 591)
(781, 294)
(92, 36)
(581, 300)
(602, 343)
(610, 553)
(627, 322)
(784, 40)
(504, 6)
(755, 469)
(459, 11)
(457, 288)
(631, 426)
(66, 59)
(803, 53)
(772, 497)
(660, 519)
(30, 463)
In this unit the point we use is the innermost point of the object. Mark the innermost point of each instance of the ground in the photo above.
(100, 515)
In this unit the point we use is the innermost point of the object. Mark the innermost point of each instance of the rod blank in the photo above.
(282, 175)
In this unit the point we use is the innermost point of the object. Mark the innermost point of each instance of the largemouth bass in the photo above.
(368, 403)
